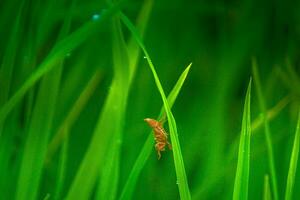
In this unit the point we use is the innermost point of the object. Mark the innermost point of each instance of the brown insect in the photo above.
(160, 135)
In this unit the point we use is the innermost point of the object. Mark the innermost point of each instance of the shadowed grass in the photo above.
(263, 109)
(293, 163)
(178, 160)
(40, 127)
(241, 183)
(58, 52)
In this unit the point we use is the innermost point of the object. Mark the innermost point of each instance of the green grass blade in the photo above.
(178, 160)
(263, 109)
(240, 191)
(148, 146)
(60, 50)
(110, 175)
(293, 163)
(267, 189)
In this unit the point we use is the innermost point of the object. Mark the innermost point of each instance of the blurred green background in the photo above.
(60, 60)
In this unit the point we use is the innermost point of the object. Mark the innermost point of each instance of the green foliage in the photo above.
(77, 78)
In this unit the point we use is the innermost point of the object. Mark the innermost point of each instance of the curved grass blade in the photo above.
(178, 160)
(240, 191)
(263, 109)
(293, 163)
(148, 146)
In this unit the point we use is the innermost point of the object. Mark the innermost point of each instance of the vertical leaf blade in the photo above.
(293, 163)
(240, 191)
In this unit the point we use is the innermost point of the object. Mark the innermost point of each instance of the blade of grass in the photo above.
(107, 188)
(58, 52)
(267, 189)
(293, 163)
(241, 182)
(148, 146)
(178, 160)
(263, 109)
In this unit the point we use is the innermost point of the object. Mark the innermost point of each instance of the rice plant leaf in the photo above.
(58, 52)
(110, 174)
(178, 160)
(148, 146)
(240, 191)
(268, 137)
(293, 163)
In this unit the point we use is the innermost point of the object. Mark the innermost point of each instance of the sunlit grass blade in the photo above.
(108, 182)
(267, 131)
(109, 176)
(241, 183)
(58, 52)
(148, 146)
(267, 189)
(178, 160)
(293, 163)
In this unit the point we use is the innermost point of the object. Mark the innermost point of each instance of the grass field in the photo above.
(78, 78)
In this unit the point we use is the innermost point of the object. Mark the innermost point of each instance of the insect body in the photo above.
(160, 135)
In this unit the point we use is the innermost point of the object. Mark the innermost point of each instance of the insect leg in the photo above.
(158, 154)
